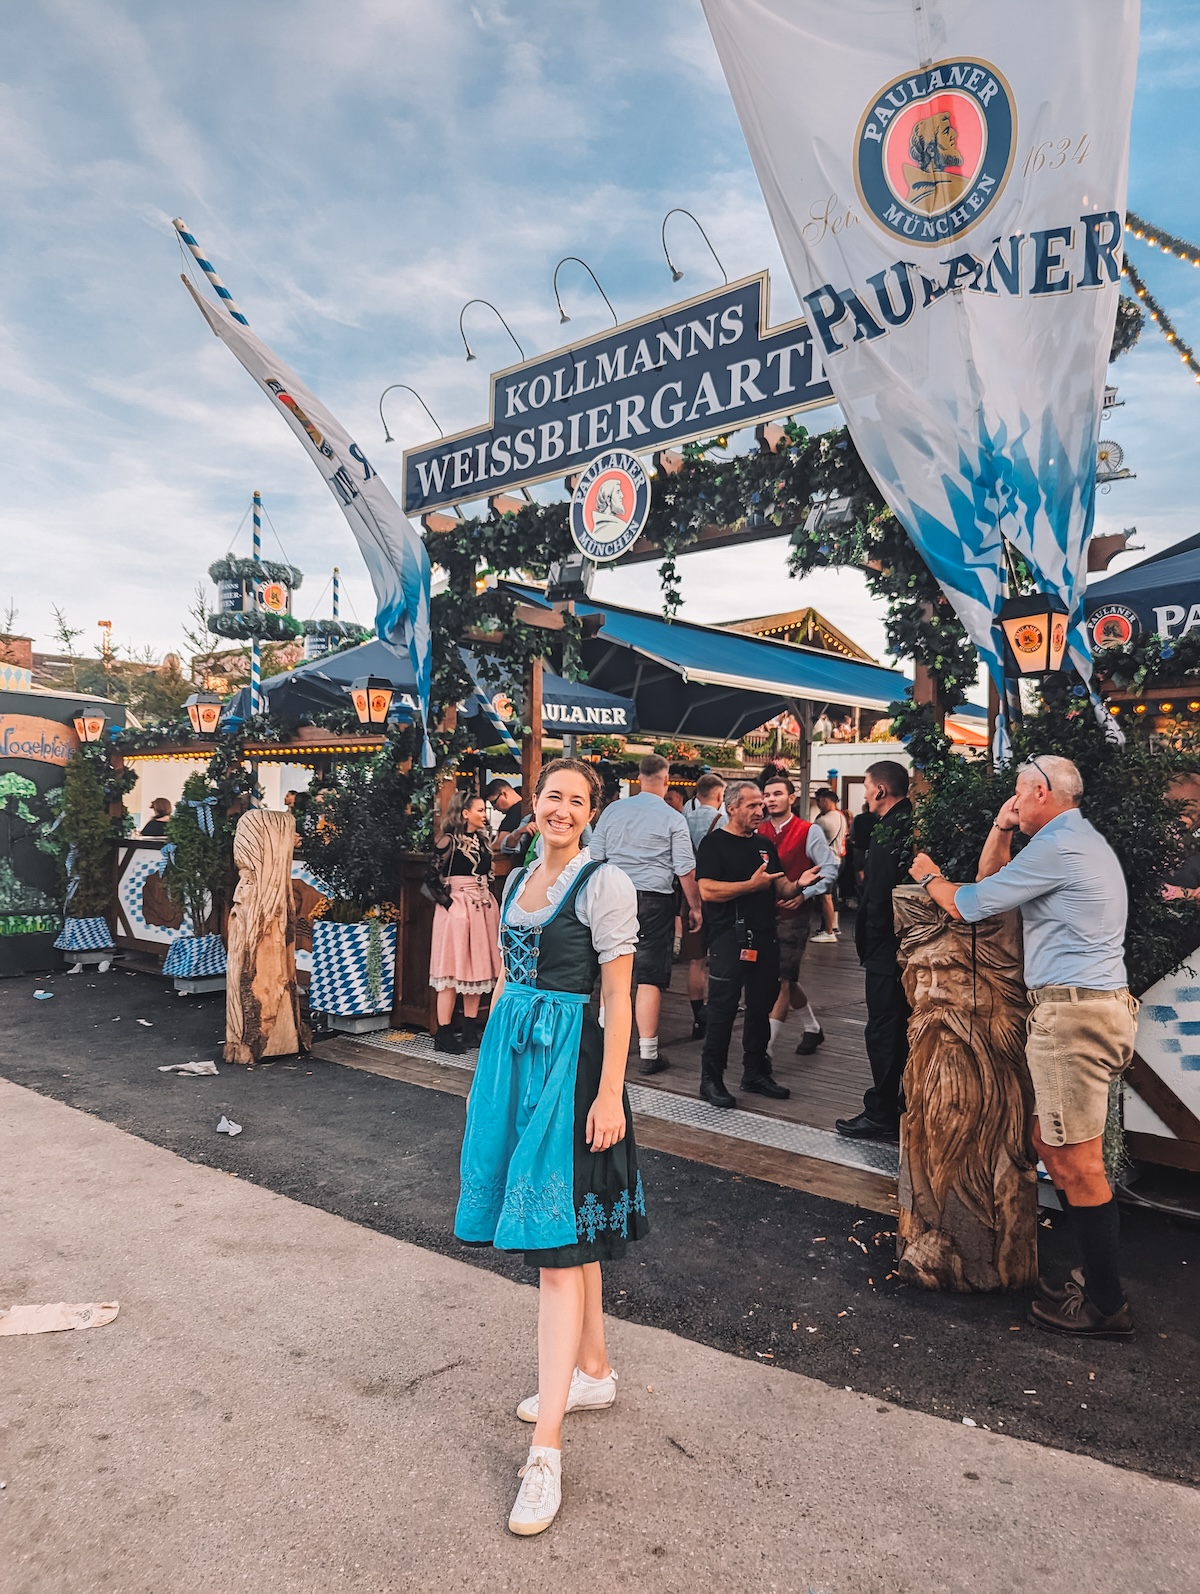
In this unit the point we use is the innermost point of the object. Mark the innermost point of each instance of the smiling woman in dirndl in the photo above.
(549, 1165)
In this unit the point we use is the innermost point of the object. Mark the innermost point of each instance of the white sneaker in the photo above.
(587, 1394)
(824, 938)
(540, 1494)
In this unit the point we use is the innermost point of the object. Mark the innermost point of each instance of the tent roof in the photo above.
(703, 681)
(1163, 570)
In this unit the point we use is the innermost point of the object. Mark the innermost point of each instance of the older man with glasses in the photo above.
(1069, 887)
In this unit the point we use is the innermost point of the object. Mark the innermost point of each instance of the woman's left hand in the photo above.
(605, 1122)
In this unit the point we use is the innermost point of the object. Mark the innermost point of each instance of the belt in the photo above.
(1072, 993)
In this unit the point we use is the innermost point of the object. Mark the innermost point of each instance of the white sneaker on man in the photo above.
(587, 1394)
(540, 1494)
(825, 937)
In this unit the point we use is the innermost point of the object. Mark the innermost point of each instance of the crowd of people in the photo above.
(549, 1165)
(734, 882)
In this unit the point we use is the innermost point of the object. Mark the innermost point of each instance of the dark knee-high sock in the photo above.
(1098, 1230)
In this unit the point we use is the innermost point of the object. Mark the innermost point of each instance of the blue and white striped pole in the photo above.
(219, 287)
(255, 658)
(336, 591)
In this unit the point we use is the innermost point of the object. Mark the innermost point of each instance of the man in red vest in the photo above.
(801, 846)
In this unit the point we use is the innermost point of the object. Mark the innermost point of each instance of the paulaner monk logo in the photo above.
(934, 148)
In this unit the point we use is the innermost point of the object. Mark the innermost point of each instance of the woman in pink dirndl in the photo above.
(466, 935)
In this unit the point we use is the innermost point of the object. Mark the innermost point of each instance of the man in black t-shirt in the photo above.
(740, 878)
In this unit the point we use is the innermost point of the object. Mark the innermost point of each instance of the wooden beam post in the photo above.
(531, 744)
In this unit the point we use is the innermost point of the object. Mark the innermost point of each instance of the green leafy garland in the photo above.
(231, 569)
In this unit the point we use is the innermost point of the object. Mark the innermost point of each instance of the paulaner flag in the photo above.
(395, 555)
(947, 182)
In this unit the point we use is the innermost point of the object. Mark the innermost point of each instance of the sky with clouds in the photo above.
(357, 173)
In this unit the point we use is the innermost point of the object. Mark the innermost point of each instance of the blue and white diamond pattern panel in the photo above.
(195, 957)
(339, 977)
(139, 865)
(85, 935)
(1168, 1039)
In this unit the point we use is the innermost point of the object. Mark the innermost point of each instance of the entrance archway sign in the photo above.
(708, 364)
(609, 506)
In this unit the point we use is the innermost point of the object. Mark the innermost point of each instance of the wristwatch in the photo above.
(926, 878)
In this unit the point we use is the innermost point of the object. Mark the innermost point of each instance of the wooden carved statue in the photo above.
(968, 1180)
(262, 1007)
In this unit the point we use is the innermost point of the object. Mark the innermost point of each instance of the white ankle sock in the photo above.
(648, 1048)
(809, 1020)
(776, 1032)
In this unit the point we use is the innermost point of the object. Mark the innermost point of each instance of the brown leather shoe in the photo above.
(1079, 1318)
(1056, 1294)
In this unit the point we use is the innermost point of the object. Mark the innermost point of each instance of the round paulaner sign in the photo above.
(934, 149)
(609, 505)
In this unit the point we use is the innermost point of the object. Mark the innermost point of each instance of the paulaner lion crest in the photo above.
(934, 149)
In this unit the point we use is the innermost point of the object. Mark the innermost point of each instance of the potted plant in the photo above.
(195, 877)
(355, 833)
(85, 832)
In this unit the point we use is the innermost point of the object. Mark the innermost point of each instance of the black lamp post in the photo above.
(372, 698)
(204, 711)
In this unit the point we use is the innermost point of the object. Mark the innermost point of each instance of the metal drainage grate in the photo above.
(871, 1156)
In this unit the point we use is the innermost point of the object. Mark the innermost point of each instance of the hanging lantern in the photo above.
(372, 697)
(89, 725)
(204, 711)
(1035, 628)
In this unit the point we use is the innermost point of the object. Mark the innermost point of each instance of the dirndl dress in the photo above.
(529, 1181)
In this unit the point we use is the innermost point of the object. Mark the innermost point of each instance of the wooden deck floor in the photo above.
(825, 1086)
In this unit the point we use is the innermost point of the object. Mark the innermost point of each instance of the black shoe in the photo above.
(864, 1127)
(714, 1093)
(764, 1085)
(809, 1041)
(447, 1041)
(1056, 1294)
(472, 1032)
(699, 1028)
(653, 1065)
(1080, 1318)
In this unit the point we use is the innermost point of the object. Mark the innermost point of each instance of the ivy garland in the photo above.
(231, 569)
(261, 623)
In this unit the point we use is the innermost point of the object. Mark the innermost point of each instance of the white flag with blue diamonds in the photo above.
(393, 552)
(947, 182)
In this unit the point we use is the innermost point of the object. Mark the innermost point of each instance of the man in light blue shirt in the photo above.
(1069, 887)
(649, 840)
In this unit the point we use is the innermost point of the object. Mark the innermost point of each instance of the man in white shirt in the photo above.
(833, 823)
(649, 840)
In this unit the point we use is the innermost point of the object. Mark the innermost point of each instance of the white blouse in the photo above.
(607, 905)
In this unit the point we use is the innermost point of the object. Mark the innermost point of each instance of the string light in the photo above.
(1167, 242)
(1161, 320)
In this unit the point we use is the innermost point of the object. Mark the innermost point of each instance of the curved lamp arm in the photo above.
(499, 317)
(387, 436)
(676, 274)
(562, 314)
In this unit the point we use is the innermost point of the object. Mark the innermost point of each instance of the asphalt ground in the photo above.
(765, 1273)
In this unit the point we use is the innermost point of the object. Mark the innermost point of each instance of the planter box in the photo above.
(341, 977)
(86, 935)
(196, 963)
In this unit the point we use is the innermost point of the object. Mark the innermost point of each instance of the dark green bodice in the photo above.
(557, 955)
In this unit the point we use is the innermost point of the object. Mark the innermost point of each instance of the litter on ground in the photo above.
(228, 1127)
(50, 1319)
(206, 1068)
